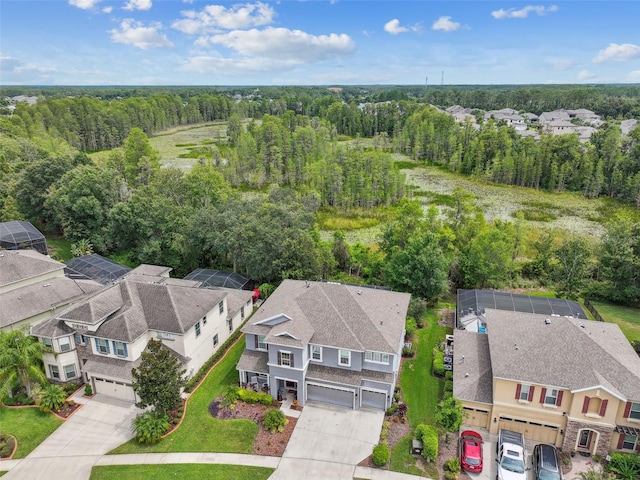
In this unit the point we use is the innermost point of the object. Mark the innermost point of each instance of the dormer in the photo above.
(274, 320)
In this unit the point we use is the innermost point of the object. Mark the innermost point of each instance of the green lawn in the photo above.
(61, 248)
(29, 425)
(200, 432)
(421, 391)
(172, 471)
(627, 318)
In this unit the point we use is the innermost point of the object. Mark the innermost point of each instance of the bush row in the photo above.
(429, 436)
(250, 396)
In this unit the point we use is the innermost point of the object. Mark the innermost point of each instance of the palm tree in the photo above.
(20, 361)
(83, 247)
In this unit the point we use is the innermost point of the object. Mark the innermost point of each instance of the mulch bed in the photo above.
(266, 443)
(67, 409)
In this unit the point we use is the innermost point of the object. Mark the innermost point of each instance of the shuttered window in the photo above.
(524, 393)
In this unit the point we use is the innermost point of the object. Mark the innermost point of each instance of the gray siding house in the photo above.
(327, 342)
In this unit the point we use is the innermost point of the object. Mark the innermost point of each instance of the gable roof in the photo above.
(332, 314)
(24, 264)
(562, 352)
(472, 374)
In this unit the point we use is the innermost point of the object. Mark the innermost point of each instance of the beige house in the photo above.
(101, 338)
(33, 287)
(567, 381)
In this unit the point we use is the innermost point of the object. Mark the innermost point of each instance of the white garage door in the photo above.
(120, 390)
(373, 399)
(537, 432)
(332, 395)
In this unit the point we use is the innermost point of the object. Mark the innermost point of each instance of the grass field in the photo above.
(200, 432)
(175, 145)
(627, 318)
(173, 471)
(61, 248)
(29, 425)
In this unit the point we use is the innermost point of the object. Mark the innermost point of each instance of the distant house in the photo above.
(33, 287)
(101, 338)
(327, 342)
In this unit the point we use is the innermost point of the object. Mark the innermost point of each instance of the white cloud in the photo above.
(634, 76)
(615, 51)
(136, 34)
(107, 9)
(84, 4)
(562, 64)
(445, 24)
(14, 70)
(138, 5)
(523, 12)
(283, 45)
(586, 75)
(393, 27)
(214, 18)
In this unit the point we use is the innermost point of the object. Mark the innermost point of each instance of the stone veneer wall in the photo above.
(573, 429)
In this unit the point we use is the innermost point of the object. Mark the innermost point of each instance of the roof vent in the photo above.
(581, 324)
(515, 346)
(547, 321)
(46, 285)
(359, 292)
(466, 374)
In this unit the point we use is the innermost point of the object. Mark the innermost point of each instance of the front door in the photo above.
(584, 440)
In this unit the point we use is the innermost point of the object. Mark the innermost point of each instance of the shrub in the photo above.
(7, 443)
(52, 397)
(449, 414)
(448, 386)
(429, 436)
(250, 396)
(386, 428)
(88, 390)
(448, 375)
(626, 466)
(452, 465)
(393, 408)
(450, 475)
(438, 362)
(380, 454)
(402, 409)
(417, 310)
(410, 326)
(148, 427)
(71, 387)
(274, 420)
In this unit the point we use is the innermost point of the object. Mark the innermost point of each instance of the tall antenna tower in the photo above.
(426, 81)
(442, 81)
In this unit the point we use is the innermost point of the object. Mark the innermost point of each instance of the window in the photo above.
(65, 344)
(54, 371)
(261, 343)
(316, 353)
(70, 371)
(221, 307)
(102, 345)
(242, 312)
(634, 411)
(78, 339)
(286, 359)
(550, 396)
(165, 335)
(344, 358)
(629, 442)
(197, 329)
(204, 320)
(215, 340)
(377, 357)
(120, 349)
(47, 341)
(230, 324)
(524, 393)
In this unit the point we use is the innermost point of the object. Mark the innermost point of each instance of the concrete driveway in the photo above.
(100, 425)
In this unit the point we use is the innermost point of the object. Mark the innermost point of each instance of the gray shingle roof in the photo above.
(346, 376)
(23, 303)
(23, 264)
(566, 352)
(330, 314)
(253, 361)
(152, 270)
(111, 367)
(472, 376)
(52, 327)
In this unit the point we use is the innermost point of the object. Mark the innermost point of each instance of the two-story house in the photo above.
(557, 379)
(101, 338)
(326, 342)
(33, 287)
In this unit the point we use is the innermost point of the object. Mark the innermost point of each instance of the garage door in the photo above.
(111, 388)
(476, 417)
(373, 399)
(538, 432)
(332, 395)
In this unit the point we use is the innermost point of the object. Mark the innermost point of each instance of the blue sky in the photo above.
(342, 42)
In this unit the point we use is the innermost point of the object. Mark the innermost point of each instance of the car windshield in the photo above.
(473, 461)
(547, 475)
(512, 464)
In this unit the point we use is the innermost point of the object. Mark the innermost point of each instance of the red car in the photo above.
(471, 451)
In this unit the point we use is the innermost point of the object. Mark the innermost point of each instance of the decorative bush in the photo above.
(7, 443)
(149, 427)
(452, 465)
(448, 375)
(438, 362)
(450, 475)
(52, 397)
(274, 420)
(250, 396)
(626, 466)
(71, 387)
(380, 454)
(429, 436)
(449, 414)
(408, 351)
(386, 427)
(393, 408)
(410, 326)
(448, 386)
(402, 409)
(88, 390)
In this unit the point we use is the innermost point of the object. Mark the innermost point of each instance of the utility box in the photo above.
(416, 447)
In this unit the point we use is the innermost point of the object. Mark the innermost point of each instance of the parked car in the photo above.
(471, 451)
(511, 456)
(546, 464)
